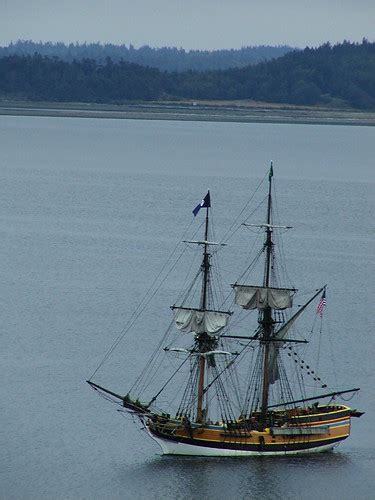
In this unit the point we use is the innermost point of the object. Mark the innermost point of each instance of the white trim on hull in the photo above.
(175, 448)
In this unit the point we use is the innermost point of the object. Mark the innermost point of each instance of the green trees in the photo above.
(41, 78)
(342, 73)
(164, 58)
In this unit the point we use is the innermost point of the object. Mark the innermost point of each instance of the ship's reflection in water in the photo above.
(253, 477)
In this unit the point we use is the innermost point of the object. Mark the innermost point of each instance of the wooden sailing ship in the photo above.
(239, 402)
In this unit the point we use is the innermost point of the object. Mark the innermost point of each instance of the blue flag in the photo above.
(205, 203)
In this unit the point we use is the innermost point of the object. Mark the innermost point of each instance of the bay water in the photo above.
(90, 209)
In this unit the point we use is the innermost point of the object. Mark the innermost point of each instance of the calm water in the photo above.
(89, 211)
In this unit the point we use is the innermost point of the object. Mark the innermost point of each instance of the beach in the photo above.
(232, 111)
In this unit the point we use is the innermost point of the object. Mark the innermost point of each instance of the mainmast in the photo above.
(266, 299)
(267, 320)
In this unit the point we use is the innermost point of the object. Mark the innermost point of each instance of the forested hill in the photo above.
(340, 75)
(164, 58)
(336, 75)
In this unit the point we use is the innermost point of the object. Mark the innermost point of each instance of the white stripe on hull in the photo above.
(175, 448)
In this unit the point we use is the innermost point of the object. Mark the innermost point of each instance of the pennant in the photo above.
(270, 175)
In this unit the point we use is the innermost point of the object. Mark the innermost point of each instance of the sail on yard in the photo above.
(233, 391)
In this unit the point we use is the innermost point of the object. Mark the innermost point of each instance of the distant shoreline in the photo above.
(238, 112)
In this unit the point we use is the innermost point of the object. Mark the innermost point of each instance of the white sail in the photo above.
(192, 320)
(280, 335)
(257, 297)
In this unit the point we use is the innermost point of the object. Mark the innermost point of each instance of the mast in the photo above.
(205, 265)
(205, 322)
(203, 338)
(266, 299)
(267, 320)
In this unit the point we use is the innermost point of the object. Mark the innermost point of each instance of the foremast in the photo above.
(203, 340)
(205, 322)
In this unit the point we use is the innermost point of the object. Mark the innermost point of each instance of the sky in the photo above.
(190, 24)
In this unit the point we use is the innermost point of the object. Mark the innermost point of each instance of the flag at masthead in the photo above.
(205, 203)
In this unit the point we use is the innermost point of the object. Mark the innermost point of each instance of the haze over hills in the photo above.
(340, 75)
(164, 58)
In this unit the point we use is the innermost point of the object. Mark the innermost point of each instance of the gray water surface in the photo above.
(89, 212)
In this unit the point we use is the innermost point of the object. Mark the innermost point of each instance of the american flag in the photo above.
(322, 304)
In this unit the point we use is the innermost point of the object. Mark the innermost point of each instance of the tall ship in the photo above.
(225, 382)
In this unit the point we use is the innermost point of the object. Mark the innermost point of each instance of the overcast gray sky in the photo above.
(189, 24)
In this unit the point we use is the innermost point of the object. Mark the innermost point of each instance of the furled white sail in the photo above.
(257, 297)
(192, 320)
(273, 372)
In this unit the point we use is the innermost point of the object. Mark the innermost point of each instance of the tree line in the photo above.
(339, 75)
(164, 58)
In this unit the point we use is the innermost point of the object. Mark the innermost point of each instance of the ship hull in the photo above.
(169, 447)
(313, 434)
